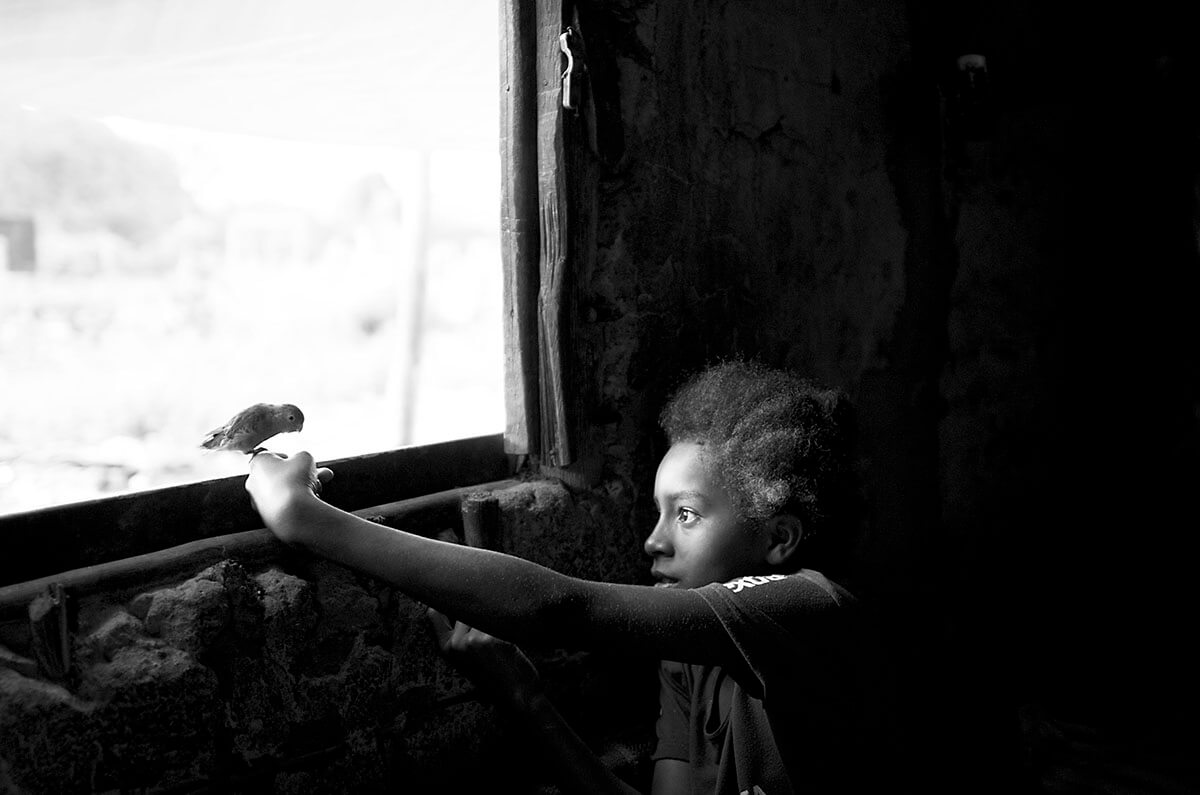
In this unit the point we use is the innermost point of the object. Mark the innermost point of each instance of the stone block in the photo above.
(189, 616)
(345, 605)
(156, 714)
(289, 614)
(194, 614)
(48, 739)
(114, 631)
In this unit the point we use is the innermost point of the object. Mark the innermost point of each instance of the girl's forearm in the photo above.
(501, 594)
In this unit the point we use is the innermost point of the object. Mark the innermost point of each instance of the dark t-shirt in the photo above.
(787, 717)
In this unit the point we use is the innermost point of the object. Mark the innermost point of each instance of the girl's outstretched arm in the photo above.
(503, 595)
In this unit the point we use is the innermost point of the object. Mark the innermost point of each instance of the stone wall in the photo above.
(300, 676)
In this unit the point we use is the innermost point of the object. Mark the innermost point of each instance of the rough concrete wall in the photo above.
(1075, 240)
(1010, 314)
(749, 205)
(304, 677)
(779, 194)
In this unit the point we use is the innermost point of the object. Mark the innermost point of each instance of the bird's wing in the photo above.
(212, 440)
(245, 430)
(251, 429)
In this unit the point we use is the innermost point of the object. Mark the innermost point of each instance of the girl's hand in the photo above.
(277, 483)
(498, 668)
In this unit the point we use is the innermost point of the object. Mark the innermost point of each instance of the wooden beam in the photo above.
(554, 346)
(424, 514)
(519, 223)
(39, 543)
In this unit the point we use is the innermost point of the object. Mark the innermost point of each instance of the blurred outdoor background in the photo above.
(208, 205)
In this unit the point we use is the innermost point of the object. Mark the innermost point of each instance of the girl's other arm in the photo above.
(506, 675)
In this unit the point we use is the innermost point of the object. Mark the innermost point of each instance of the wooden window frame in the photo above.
(549, 159)
(70, 541)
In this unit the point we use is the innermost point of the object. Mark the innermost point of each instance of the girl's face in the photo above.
(699, 539)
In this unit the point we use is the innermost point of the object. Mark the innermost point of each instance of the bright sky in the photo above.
(218, 166)
(239, 93)
(406, 73)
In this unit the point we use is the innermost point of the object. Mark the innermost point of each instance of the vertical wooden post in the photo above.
(543, 148)
(481, 520)
(553, 319)
(520, 223)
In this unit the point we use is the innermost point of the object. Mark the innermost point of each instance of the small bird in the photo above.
(251, 426)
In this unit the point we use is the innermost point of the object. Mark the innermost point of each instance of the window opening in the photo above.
(210, 205)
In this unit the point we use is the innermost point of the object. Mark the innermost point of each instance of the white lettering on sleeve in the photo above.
(742, 583)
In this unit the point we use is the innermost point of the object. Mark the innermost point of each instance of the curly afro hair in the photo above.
(776, 442)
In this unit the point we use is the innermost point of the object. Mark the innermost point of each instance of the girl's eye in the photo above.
(686, 516)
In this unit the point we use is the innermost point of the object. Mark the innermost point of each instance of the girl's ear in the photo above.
(784, 534)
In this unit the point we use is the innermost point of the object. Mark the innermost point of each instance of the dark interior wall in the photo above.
(1008, 304)
(748, 205)
(1069, 444)
(1123, 462)
(780, 195)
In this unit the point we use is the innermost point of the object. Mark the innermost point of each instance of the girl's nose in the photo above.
(659, 541)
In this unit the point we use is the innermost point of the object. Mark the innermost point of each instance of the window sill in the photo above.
(426, 514)
(79, 536)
